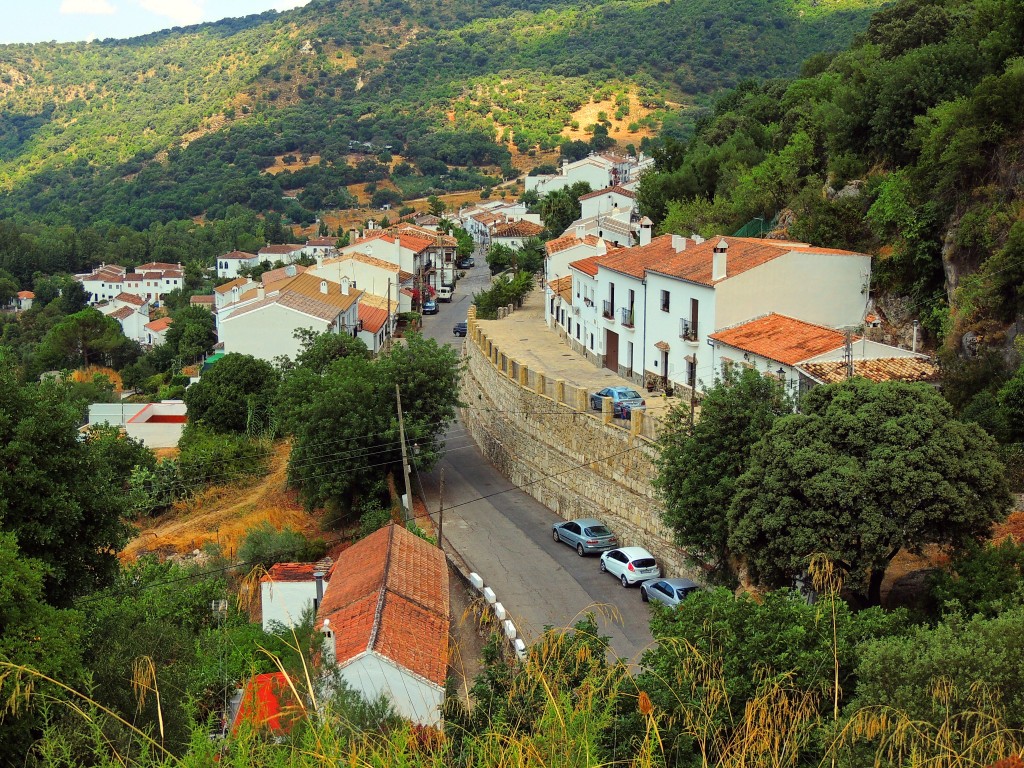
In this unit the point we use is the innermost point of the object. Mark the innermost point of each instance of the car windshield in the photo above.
(629, 394)
(644, 562)
(598, 530)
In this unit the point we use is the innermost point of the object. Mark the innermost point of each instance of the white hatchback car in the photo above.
(631, 564)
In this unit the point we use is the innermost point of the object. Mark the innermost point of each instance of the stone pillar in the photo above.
(540, 383)
(607, 411)
(636, 423)
(524, 376)
(559, 390)
(581, 400)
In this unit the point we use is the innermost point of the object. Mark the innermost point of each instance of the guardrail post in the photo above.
(540, 383)
(524, 376)
(607, 410)
(559, 390)
(636, 422)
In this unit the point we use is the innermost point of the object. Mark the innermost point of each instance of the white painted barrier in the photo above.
(489, 596)
(500, 612)
(520, 647)
(510, 629)
(477, 581)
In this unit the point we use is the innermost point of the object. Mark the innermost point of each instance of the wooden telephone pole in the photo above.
(405, 457)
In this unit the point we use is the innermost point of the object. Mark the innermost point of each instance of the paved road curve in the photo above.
(505, 535)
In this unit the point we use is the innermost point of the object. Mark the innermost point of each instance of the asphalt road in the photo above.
(505, 535)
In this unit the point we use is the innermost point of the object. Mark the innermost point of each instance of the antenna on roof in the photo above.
(848, 353)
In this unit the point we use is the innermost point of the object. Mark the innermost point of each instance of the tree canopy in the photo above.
(865, 471)
(235, 395)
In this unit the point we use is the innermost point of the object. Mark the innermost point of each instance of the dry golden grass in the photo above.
(224, 513)
(588, 115)
(280, 165)
(83, 375)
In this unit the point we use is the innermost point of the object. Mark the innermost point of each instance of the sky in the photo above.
(35, 21)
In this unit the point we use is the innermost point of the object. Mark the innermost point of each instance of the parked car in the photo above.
(624, 400)
(430, 307)
(630, 564)
(586, 535)
(670, 592)
(466, 263)
(444, 293)
(460, 329)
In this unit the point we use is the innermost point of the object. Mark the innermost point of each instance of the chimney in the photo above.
(318, 577)
(645, 231)
(696, 238)
(352, 236)
(330, 648)
(290, 270)
(581, 231)
(678, 243)
(323, 286)
(261, 292)
(718, 271)
(344, 286)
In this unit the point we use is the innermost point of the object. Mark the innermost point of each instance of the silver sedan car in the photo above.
(670, 592)
(585, 535)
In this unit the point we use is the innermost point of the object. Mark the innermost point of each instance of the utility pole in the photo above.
(848, 352)
(693, 392)
(440, 513)
(405, 457)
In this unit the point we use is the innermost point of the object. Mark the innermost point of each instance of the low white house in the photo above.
(229, 263)
(288, 253)
(23, 300)
(514, 234)
(156, 331)
(370, 274)
(385, 624)
(157, 425)
(600, 170)
(289, 590)
(265, 328)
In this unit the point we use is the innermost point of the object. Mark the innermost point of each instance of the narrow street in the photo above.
(505, 535)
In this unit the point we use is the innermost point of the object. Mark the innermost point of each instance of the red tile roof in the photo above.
(158, 266)
(569, 241)
(159, 325)
(608, 190)
(637, 260)
(563, 287)
(518, 229)
(881, 369)
(239, 255)
(296, 571)
(122, 314)
(281, 250)
(201, 299)
(26, 295)
(695, 262)
(130, 298)
(392, 601)
(373, 318)
(587, 266)
(330, 242)
(226, 288)
(782, 339)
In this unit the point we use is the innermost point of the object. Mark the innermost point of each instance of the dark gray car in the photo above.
(670, 592)
(585, 535)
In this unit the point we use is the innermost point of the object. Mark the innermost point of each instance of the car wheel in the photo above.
(554, 535)
(625, 581)
(643, 594)
(579, 550)
(603, 569)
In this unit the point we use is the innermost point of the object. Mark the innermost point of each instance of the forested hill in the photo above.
(184, 122)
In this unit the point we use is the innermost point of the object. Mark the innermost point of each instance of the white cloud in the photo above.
(90, 7)
(180, 12)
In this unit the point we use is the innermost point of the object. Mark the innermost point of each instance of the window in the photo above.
(577, 331)
(664, 301)
(691, 373)
(591, 342)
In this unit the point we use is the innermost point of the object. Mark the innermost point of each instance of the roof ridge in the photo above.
(382, 596)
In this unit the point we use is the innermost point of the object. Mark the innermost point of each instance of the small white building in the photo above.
(287, 253)
(289, 590)
(151, 281)
(23, 301)
(132, 313)
(514, 234)
(600, 170)
(320, 247)
(265, 328)
(156, 425)
(385, 624)
(229, 263)
(156, 331)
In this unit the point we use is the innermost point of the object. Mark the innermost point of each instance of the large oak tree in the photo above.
(866, 471)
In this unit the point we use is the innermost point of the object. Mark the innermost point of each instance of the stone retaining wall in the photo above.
(542, 436)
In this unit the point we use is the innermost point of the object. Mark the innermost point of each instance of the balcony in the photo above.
(627, 317)
(687, 331)
(608, 311)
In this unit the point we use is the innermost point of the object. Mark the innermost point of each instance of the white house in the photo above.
(229, 263)
(289, 590)
(23, 300)
(599, 170)
(377, 321)
(156, 331)
(370, 274)
(150, 281)
(562, 251)
(287, 253)
(265, 328)
(385, 624)
(513, 234)
(320, 247)
(132, 313)
(157, 425)
(802, 354)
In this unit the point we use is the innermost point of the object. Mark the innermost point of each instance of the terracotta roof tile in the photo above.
(587, 266)
(395, 602)
(783, 339)
(201, 298)
(26, 295)
(373, 318)
(122, 314)
(569, 241)
(296, 571)
(637, 260)
(281, 273)
(158, 266)
(130, 298)
(241, 255)
(238, 282)
(518, 229)
(881, 369)
(280, 250)
(608, 190)
(160, 324)
(563, 287)
(321, 242)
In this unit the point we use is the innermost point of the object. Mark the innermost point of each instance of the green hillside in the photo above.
(183, 123)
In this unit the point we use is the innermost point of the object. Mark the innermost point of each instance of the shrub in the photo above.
(265, 545)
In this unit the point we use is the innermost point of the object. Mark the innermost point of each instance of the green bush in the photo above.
(265, 545)
(208, 457)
